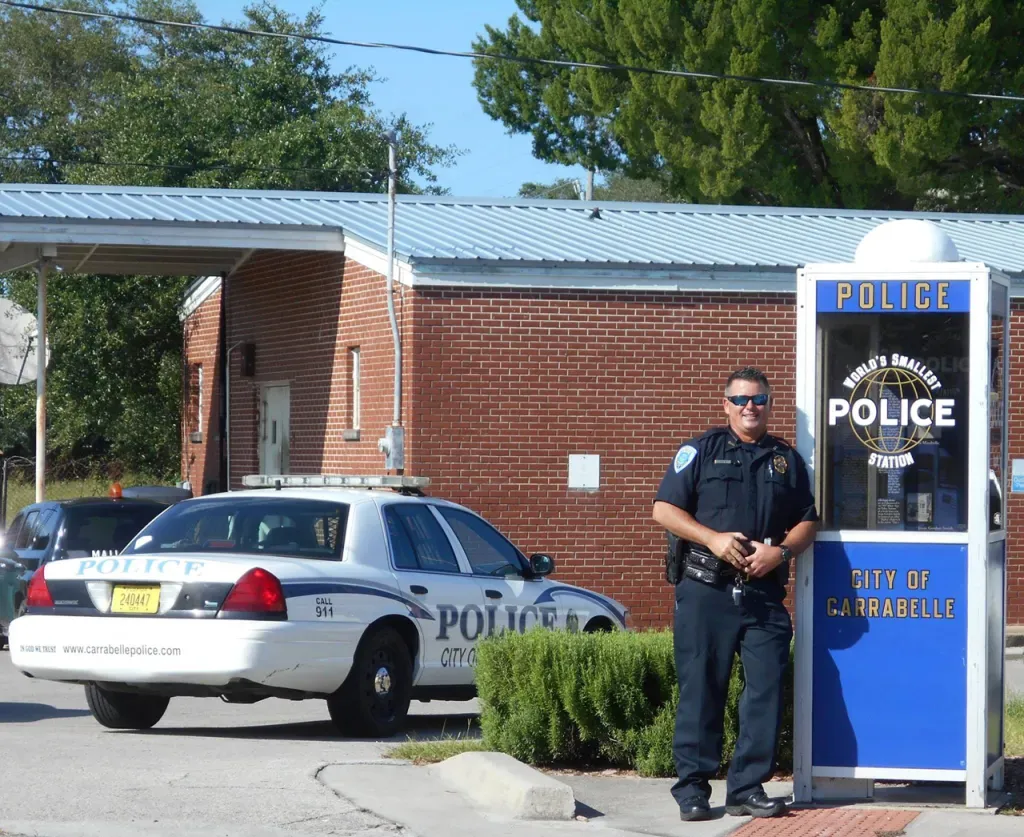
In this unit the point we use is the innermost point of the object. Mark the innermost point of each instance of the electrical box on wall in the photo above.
(584, 471)
(248, 360)
(393, 448)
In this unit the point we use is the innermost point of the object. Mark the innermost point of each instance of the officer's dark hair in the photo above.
(749, 373)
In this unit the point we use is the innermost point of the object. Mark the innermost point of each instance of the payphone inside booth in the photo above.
(902, 368)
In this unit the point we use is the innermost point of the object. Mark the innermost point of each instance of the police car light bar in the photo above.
(332, 481)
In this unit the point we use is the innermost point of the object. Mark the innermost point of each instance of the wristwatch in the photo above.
(787, 553)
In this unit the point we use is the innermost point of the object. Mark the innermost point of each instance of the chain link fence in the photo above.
(65, 480)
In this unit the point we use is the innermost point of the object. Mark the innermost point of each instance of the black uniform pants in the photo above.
(709, 630)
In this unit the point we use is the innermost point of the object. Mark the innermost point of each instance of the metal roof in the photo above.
(110, 229)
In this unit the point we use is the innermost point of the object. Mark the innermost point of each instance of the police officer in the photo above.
(741, 503)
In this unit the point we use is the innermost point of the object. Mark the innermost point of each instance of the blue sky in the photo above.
(430, 89)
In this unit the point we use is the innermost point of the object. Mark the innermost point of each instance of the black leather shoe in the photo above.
(694, 808)
(758, 804)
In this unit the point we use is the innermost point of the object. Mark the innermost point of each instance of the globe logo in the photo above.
(879, 417)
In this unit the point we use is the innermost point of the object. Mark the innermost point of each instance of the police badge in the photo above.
(780, 464)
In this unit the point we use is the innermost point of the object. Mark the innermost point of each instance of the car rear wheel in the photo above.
(374, 700)
(123, 710)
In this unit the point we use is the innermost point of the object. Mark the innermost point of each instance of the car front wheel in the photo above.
(123, 710)
(374, 700)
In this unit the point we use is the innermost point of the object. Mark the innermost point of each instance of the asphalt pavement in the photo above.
(208, 768)
(275, 768)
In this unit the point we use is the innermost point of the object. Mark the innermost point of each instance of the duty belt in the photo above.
(703, 566)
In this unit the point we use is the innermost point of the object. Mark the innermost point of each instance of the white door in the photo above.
(429, 573)
(274, 447)
(510, 601)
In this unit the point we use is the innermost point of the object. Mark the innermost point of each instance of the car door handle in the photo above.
(418, 589)
(492, 594)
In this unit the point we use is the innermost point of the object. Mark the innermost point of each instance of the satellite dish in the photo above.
(19, 344)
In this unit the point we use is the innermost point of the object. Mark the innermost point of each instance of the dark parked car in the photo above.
(57, 529)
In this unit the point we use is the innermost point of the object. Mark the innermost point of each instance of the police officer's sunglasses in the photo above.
(741, 400)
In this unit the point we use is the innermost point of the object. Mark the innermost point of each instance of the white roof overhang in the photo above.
(126, 247)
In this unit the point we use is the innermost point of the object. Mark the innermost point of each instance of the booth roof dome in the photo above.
(906, 240)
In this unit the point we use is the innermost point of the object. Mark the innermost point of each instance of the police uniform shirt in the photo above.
(761, 489)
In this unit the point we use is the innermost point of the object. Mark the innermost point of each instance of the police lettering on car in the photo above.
(740, 503)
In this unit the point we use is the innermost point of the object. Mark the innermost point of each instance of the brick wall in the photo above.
(507, 385)
(304, 312)
(200, 462)
(499, 389)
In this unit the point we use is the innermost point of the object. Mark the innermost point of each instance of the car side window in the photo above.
(417, 540)
(489, 552)
(28, 531)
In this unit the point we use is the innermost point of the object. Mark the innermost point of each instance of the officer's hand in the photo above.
(764, 559)
(730, 546)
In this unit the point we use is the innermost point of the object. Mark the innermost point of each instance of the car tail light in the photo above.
(38, 592)
(255, 592)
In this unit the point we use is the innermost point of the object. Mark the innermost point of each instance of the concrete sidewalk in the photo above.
(416, 799)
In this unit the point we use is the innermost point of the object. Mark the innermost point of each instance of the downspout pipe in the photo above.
(227, 408)
(392, 139)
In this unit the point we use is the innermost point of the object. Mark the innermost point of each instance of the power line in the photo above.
(518, 59)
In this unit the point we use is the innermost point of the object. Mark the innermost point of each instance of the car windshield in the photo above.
(105, 528)
(275, 526)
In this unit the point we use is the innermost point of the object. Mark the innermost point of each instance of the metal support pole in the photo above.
(42, 270)
(3, 499)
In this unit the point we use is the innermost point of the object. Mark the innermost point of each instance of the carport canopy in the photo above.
(122, 231)
(126, 231)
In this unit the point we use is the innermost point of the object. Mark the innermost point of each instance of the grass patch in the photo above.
(22, 492)
(1015, 726)
(431, 752)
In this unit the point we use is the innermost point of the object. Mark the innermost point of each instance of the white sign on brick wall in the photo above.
(585, 471)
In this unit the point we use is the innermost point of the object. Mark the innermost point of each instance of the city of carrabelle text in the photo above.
(890, 607)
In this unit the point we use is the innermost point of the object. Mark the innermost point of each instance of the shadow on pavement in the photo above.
(418, 728)
(26, 713)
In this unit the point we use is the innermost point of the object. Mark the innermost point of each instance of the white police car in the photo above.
(365, 598)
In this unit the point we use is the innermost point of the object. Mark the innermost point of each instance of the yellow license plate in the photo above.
(135, 599)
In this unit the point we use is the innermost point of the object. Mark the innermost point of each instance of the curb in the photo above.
(501, 783)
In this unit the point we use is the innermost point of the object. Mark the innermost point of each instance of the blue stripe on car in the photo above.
(550, 594)
(316, 588)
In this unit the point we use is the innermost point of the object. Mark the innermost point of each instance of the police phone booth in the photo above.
(900, 604)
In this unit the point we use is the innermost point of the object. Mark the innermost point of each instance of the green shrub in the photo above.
(605, 698)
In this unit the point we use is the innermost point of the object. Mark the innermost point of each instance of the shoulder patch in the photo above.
(686, 455)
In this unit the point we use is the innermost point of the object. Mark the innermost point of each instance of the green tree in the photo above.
(616, 186)
(732, 141)
(114, 378)
(563, 189)
(98, 102)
